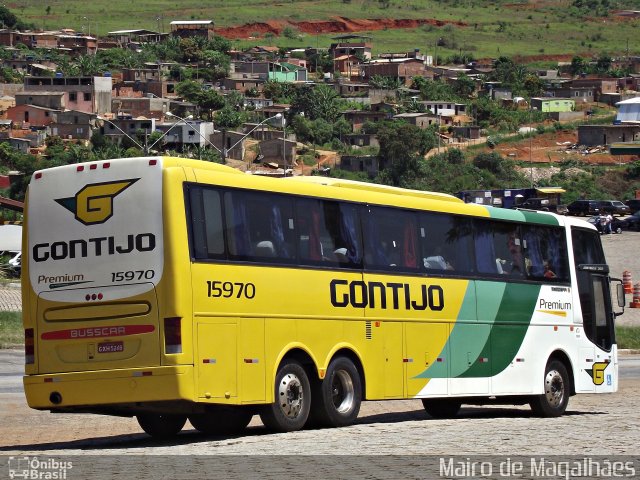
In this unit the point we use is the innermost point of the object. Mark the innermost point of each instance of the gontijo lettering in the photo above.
(94, 247)
(360, 294)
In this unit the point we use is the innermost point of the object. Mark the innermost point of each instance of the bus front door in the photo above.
(599, 363)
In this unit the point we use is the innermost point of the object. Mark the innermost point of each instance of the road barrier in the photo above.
(635, 303)
(627, 282)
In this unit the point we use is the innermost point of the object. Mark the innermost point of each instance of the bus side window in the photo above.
(390, 239)
(546, 253)
(445, 243)
(347, 239)
(206, 223)
(259, 226)
(499, 248)
(311, 233)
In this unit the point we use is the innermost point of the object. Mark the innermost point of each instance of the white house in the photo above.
(628, 111)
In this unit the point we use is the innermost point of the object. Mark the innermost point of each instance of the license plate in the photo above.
(111, 347)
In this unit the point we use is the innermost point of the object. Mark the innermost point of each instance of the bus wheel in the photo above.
(161, 427)
(221, 420)
(293, 394)
(553, 402)
(441, 407)
(336, 400)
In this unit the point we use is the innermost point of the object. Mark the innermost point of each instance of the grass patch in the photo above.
(628, 337)
(550, 29)
(11, 330)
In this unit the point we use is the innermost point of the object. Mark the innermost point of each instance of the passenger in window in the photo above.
(515, 249)
(548, 273)
(437, 261)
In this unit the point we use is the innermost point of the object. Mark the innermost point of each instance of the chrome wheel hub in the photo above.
(342, 391)
(290, 395)
(554, 388)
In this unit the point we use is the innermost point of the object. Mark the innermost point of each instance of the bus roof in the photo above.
(374, 187)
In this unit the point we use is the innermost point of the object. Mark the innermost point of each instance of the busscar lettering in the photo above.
(98, 332)
(394, 295)
(95, 247)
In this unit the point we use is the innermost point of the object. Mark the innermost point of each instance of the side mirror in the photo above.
(621, 298)
(620, 294)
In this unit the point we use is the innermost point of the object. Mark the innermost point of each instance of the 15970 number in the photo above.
(218, 288)
(132, 275)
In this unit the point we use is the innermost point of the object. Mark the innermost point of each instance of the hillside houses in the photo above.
(138, 100)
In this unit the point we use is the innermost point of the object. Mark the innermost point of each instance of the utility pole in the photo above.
(224, 152)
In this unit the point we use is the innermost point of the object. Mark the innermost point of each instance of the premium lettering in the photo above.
(393, 295)
(554, 305)
(95, 247)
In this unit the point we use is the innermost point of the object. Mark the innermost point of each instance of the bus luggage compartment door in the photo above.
(217, 359)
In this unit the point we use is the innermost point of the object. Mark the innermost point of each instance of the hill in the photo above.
(480, 28)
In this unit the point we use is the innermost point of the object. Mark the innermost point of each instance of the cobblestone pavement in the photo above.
(593, 425)
(10, 298)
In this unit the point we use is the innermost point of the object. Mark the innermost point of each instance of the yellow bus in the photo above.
(173, 289)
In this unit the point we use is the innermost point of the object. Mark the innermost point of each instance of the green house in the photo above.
(286, 72)
(553, 104)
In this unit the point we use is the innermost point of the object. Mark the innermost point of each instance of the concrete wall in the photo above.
(567, 116)
(102, 93)
(592, 135)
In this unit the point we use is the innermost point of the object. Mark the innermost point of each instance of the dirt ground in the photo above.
(335, 25)
(555, 148)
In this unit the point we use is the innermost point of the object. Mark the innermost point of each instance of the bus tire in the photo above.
(553, 402)
(441, 407)
(161, 426)
(221, 420)
(290, 411)
(336, 399)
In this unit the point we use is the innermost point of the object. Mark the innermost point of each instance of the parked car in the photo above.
(584, 207)
(542, 204)
(633, 204)
(616, 225)
(10, 263)
(632, 222)
(614, 207)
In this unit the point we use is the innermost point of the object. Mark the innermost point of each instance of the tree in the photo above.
(210, 100)
(603, 64)
(435, 90)
(190, 90)
(384, 82)
(228, 118)
(578, 66)
(317, 102)
(400, 143)
(216, 63)
(489, 161)
(279, 91)
(9, 20)
(464, 86)
(89, 65)
(533, 85)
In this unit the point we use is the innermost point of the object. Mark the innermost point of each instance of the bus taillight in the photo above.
(29, 349)
(172, 335)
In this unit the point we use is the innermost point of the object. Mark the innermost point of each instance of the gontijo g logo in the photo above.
(93, 204)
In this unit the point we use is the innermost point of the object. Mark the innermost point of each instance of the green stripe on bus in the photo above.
(506, 214)
(540, 218)
(466, 314)
(508, 329)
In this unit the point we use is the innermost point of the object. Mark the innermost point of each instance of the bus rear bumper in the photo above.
(80, 391)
